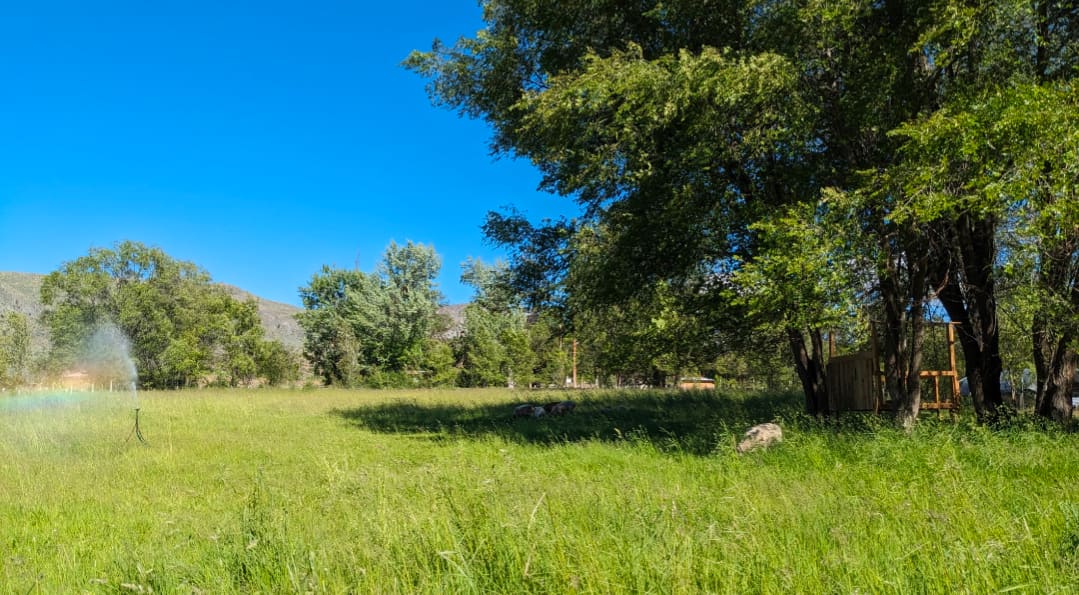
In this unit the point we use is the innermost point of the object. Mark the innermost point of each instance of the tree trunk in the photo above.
(979, 340)
(809, 364)
(1054, 362)
(903, 289)
(968, 294)
(903, 341)
(1055, 365)
(659, 378)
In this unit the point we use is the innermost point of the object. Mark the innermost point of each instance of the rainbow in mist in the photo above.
(103, 372)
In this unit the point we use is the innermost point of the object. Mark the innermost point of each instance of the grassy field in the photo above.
(360, 491)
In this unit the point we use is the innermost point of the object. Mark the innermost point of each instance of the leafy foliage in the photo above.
(183, 330)
(803, 160)
(359, 324)
(494, 348)
(14, 349)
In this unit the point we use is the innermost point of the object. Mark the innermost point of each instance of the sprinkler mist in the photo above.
(108, 354)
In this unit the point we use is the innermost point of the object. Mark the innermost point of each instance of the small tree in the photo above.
(14, 349)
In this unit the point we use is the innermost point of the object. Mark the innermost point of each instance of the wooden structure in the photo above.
(856, 382)
(697, 384)
(951, 375)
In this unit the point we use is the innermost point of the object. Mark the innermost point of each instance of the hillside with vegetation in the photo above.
(21, 293)
(278, 319)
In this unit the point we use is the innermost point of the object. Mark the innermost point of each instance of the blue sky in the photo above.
(259, 140)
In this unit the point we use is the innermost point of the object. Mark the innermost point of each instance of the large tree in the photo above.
(181, 328)
(680, 126)
(677, 125)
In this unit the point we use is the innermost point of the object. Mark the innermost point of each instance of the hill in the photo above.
(21, 292)
(278, 319)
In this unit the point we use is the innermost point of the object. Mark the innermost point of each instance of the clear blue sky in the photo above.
(259, 140)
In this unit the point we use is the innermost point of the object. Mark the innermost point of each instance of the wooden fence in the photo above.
(854, 383)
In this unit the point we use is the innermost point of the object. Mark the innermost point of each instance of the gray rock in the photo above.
(760, 436)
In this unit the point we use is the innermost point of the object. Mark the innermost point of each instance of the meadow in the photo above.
(332, 491)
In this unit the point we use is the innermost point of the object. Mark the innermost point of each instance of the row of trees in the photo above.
(384, 329)
(754, 169)
(167, 325)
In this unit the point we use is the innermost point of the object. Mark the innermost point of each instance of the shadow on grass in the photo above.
(692, 422)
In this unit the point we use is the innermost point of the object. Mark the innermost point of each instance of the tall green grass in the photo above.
(443, 491)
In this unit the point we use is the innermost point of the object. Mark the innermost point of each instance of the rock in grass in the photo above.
(760, 436)
(522, 411)
(560, 407)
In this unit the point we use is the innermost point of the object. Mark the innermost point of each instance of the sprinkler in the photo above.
(136, 431)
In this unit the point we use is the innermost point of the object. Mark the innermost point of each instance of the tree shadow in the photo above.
(695, 422)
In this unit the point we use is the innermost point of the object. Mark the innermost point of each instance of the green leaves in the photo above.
(623, 124)
(494, 348)
(14, 349)
(183, 329)
(805, 273)
(1005, 150)
(823, 156)
(358, 323)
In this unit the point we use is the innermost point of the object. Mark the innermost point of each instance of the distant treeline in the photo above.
(179, 329)
(383, 329)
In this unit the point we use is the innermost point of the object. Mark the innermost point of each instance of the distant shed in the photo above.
(76, 380)
(697, 384)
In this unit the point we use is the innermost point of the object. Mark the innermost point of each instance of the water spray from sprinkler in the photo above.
(108, 353)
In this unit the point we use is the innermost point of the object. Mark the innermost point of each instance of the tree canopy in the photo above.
(359, 324)
(182, 328)
(699, 138)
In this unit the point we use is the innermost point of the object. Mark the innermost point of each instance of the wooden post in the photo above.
(575, 363)
(878, 374)
(952, 363)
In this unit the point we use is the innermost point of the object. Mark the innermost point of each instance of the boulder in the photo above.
(760, 436)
